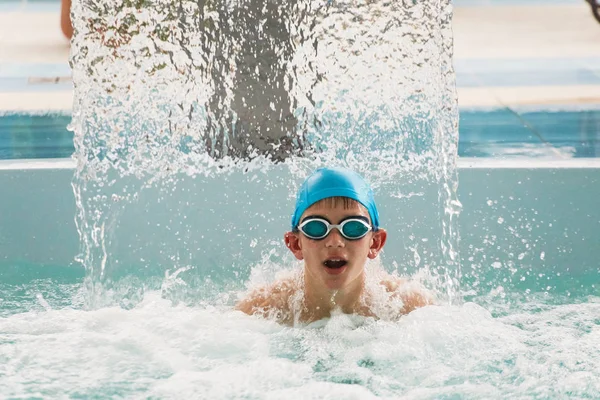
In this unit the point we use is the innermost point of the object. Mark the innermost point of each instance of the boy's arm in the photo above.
(413, 296)
(253, 302)
(264, 299)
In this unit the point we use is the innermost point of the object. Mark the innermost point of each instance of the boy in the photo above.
(335, 229)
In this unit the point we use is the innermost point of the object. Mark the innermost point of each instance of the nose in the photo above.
(334, 239)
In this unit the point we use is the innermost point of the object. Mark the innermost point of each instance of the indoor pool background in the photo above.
(483, 133)
(528, 327)
(527, 324)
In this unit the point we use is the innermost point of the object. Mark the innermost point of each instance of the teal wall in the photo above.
(516, 222)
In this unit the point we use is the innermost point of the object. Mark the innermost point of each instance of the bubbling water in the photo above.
(195, 121)
(161, 351)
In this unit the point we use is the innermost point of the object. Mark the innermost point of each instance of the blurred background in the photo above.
(528, 77)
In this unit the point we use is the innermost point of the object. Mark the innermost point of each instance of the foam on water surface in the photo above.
(166, 351)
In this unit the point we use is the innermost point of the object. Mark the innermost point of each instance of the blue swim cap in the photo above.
(335, 182)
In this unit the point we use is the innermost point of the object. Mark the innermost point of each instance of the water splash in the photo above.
(161, 351)
(195, 120)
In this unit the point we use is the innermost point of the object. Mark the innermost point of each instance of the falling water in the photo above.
(196, 120)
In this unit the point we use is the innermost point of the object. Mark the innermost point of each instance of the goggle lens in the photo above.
(354, 229)
(315, 229)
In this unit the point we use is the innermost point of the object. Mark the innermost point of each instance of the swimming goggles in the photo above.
(318, 228)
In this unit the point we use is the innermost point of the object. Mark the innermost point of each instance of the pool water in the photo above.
(529, 333)
(482, 133)
(501, 345)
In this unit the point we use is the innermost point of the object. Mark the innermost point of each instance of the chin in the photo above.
(335, 284)
(339, 282)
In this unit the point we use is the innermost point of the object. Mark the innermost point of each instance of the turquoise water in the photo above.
(483, 133)
(500, 344)
(521, 331)
(533, 338)
(28, 287)
(527, 333)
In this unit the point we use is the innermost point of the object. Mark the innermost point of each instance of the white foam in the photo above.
(157, 350)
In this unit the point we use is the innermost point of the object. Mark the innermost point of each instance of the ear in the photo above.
(377, 242)
(292, 241)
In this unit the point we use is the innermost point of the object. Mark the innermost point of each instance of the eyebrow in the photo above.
(327, 219)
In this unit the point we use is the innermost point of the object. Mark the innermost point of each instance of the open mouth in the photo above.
(335, 264)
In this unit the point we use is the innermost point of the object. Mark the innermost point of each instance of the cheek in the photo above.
(313, 250)
(363, 249)
(307, 246)
(310, 248)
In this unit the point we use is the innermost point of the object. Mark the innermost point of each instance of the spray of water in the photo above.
(196, 120)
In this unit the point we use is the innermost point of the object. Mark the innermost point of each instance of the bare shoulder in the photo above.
(272, 297)
(413, 294)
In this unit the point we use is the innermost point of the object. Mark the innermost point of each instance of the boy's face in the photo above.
(335, 262)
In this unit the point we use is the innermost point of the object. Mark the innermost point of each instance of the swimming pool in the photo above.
(529, 326)
(569, 133)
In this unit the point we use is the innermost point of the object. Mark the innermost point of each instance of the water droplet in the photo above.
(500, 220)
